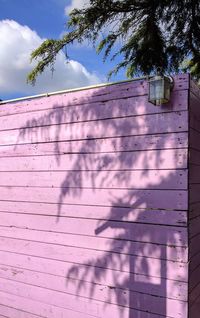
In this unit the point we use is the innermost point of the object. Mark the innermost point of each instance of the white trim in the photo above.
(69, 90)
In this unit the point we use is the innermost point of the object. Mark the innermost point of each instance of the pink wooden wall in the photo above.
(93, 205)
(194, 203)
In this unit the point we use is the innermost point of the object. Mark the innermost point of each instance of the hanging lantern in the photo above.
(160, 89)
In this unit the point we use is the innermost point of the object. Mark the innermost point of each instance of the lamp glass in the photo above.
(159, 90)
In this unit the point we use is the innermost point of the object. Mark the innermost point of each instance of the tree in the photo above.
(154, 34)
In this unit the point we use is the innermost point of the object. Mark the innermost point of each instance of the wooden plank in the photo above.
(50, 296)
(165, 217)
(152, 159)
(177, 308)
(38, 308)
(177, 271)
(102, 110)
(140, 179)
(139, 125)
(102, 291)
(148, 199)
(78, 258)
(171, 252)
(94, 95)
(194, 177)
(115, 144)
(47, 311)
(90, 227)
(10, 312)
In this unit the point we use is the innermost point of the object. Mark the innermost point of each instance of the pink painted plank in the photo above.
(165, 217)
(10, 312)
(141, 179)
(173, 253)
(135, 314)
(154, 199)
(57, 295)
(175, 290)
(109, 229)
(49, 311)
(152, 159)
(97, 259)
(62, 300)
(86, 112)
(99, 292)
(194, 224)
(177, 306)
(101, 94)
(131, 143)
(176, 271)
(139, 125)
(38, 308)
(96, 243)
(130, 288)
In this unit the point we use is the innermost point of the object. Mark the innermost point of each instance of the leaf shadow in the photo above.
(113, 158)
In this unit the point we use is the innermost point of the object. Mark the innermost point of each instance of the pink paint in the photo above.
(194, 200)
(94, 204)
(134, 106)
(134, 179)
(131, 143)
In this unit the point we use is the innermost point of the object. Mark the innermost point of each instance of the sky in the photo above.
(24, 24)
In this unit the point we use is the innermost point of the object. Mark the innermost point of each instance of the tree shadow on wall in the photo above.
(131, 193)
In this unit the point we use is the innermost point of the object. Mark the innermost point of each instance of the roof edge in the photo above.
(70, 90)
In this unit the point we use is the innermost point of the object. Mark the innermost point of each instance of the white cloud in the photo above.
(78, 4)
(16, 44)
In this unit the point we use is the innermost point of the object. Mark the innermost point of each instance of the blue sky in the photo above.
(23, 26)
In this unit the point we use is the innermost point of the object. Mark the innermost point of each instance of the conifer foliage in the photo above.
(144, 34)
